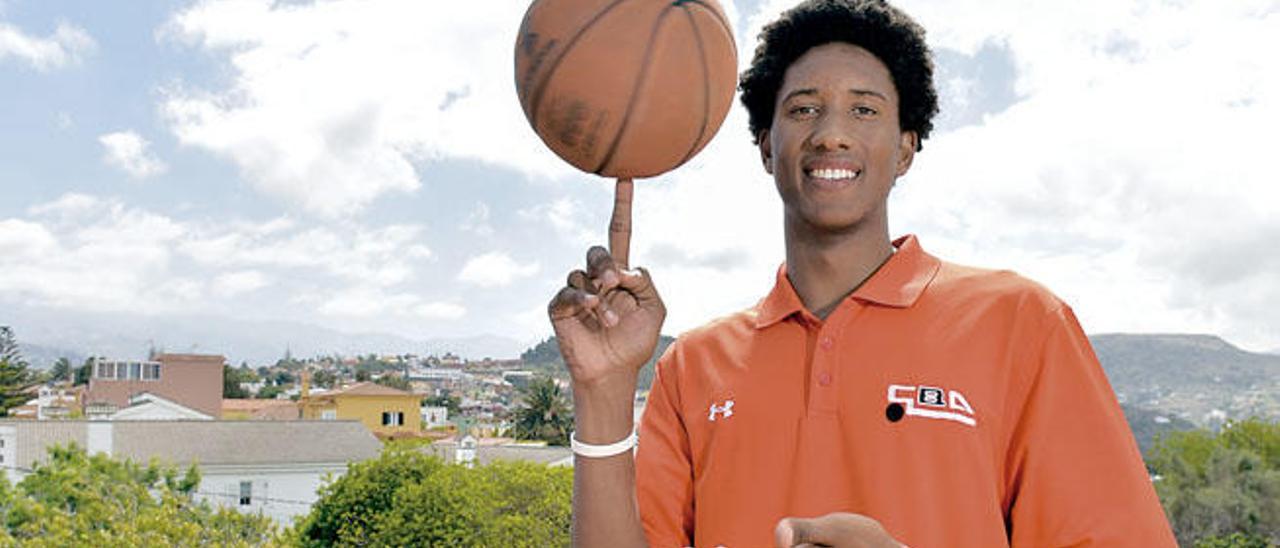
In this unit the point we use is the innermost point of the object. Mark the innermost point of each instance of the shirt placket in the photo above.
(825, 370)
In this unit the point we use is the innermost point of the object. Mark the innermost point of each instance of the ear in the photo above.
(766, 150)
(906, 151)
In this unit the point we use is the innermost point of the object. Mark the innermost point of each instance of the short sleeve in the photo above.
(664, 474)
(1076, 476)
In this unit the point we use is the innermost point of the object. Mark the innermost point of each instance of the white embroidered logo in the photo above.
(725, 410)
(931, 403)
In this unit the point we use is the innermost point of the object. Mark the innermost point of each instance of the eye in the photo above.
(803, 111)
(863, 111)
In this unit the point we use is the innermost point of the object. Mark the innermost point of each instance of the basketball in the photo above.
(625, 88)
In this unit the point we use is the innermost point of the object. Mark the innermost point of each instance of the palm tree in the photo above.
(544, 414)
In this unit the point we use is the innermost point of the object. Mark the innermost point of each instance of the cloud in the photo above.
(495, 269)
(128, 151)
(441, 311)
(478, 221)
(66, 46)
(335, 104)
(81, 252)
(235, 283)
(369, 302)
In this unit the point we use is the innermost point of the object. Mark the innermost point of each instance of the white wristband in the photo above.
(601, 451)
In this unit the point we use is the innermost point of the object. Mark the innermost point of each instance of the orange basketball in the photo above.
(625, 88)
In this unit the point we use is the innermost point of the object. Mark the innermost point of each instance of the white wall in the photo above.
(279, 492)
(9, 453)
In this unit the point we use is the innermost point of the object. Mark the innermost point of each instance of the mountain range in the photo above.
(46, 335)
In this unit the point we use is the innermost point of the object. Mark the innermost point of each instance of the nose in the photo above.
(830, 133)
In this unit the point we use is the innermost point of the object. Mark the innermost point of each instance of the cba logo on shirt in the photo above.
(929, 402)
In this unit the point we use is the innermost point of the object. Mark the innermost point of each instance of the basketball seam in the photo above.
(706, 87)
(564, 52)
(719, 19)
(635, 91)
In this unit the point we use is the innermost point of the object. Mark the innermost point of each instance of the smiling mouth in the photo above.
(832, 178)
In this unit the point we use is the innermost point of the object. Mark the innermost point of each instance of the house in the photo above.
(384, 410)
(150, 407)
(471, 451)
(51, 403)
(190, 380)
(434, 416)
(260, 410)
(268, 467)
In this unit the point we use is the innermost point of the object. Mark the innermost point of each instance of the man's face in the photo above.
(834, 147)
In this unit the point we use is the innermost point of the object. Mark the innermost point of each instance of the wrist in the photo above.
(603, 412)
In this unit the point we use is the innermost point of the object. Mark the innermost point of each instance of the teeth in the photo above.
(833, 174)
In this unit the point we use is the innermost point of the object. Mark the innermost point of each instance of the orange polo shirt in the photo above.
(957, 406)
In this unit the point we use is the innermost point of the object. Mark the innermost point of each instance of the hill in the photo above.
(1200, 379)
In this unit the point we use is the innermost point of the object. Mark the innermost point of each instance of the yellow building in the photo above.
(383, 410)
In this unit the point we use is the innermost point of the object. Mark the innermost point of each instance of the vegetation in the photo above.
(81, 500)
(83, 372)
(445, 399)
(544, 413)
(15, 377)
(61, 370)
(1223, 489)
(395, 381)
(544, 359)
(231, 379)
(407, 498)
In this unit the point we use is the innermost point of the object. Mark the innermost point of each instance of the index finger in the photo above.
(620, 224)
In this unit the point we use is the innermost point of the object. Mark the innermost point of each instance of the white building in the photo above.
(150, 407)
(268, 467)
(434, 416)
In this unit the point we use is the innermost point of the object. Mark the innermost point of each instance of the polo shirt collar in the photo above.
(899, 283)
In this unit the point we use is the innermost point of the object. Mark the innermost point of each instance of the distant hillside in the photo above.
(42, 357)
(1198, 378)
(130, 336)
(544, 358)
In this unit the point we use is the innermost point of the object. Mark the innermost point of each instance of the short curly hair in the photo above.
(885, 31)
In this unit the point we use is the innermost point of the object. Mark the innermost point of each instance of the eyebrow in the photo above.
(855, 91)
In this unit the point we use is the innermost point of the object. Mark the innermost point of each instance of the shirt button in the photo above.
(824, 379)
(826, 343)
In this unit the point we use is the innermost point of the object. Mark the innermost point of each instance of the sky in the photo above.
(365, 167)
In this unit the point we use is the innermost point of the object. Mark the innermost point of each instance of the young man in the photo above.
(877, 396)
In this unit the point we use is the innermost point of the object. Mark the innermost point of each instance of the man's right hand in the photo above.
(607, 321)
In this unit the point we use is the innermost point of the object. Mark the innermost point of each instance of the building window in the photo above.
(135, 371)
(106, 370)
(328, 414)
(246, 493)
(122, 371)
(392, 418)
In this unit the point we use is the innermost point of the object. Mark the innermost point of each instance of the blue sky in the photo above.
(364, 166)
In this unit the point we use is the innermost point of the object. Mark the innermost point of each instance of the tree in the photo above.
(447, 400)
(362, 375)
(395, 381)
(83, 372)
(231, 384)
(61, 370)
(544, 413)
(1219, 487)
(81, 500)
(269, 392)
(324, 378)
(407, 498)
(15, 378)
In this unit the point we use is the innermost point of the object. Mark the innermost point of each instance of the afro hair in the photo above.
(888, 33)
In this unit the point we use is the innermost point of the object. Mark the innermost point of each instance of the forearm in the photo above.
(605, 512)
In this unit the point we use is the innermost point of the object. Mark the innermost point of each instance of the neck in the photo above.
(826, 267)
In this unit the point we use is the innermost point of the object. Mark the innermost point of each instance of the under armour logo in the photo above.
(726, 410)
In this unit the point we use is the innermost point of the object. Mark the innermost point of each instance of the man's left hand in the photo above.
(837, 530)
